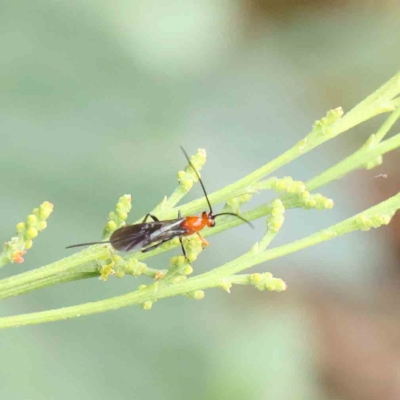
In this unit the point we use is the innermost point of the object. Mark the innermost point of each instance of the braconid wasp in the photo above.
(148, 236)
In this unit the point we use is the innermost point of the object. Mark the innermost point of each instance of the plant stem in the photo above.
(68, 269)
(204, 281)
(25, 282)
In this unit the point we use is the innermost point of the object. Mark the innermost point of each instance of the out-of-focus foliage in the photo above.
(95, 98)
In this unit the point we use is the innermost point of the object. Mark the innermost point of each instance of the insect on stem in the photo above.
(148, 235)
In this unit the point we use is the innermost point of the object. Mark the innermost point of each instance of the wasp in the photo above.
(148, 235)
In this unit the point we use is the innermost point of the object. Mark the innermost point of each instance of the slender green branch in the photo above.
(48, 281)
(373, 217)
(67, 264)
(174, 281)
(387, 125)
(94, 253)
(357, 160)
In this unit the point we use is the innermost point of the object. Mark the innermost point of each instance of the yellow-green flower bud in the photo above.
(45, 210)
(111, 226)
(255, 278)
(122, 215)
(31, 233)
(32, 219)
(198, 294)
(305, 196)
(192, 256)
(280, 285)
(188, 270)
(181, 174)
(20, 227)
(187, 184)
(120, 273)
(147, 305)
(42, 225)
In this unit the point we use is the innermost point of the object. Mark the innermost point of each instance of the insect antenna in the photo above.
(205, 194)
(198, 177)
(237, 216)
(85, 244)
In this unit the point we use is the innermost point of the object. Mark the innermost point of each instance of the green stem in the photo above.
(67, 264)
(207, 280)
(48, 281)
(382, 100)
(16, 285)
(353, 162)
(387, 125)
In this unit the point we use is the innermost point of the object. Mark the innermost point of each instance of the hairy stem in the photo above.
(207, 280)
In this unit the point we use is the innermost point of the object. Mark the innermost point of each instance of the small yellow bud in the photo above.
(181, 174)
(45, 210)
(305, 196)
(256, 278)
(188, 270)
(198, 294)
(111, 226)
(192, 256)
(120, 273)
(147, 305)
(32, 219)
(187, 184)
(20, 227)
(31, 233)
(329, 204)
(280, 285)
(311, 203)
(122, 215)
(42, 225)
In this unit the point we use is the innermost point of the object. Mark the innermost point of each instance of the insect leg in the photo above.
(203, 241)
(183, 248)
(154, 246)
(180, 239)
(151, 216)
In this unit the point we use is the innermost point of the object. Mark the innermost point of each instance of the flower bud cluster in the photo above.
(288, 185)
(267, 282)
(365, 223)
(322, 125)
(187, 177)
(276, 217)
(117, 218)
(317, 201)
(27, 231)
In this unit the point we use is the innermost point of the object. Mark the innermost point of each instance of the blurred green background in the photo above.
(95, 99)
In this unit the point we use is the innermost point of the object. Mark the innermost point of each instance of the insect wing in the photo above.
(133, 237)
(169, 230)
(137, 236)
